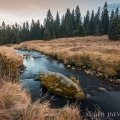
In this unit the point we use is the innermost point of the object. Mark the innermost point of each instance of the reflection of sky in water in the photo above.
(35, 65)
(32, 61)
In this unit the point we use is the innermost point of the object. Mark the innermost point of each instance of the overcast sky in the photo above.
(12, 11)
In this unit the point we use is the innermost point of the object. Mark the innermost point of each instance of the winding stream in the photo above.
(108, 101)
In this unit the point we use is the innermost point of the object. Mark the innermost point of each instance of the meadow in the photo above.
(96, 53)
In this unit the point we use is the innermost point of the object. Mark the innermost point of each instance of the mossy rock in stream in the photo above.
(61, 85)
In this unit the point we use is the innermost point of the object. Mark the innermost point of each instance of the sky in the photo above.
(19, 11)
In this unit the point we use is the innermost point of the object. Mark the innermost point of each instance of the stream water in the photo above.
(108, 101)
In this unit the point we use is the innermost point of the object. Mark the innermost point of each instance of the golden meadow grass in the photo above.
(95, 52)
(11, 54)
(15, 104)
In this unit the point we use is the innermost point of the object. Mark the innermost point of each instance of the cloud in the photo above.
(22, 10)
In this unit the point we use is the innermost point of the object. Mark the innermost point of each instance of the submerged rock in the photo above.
(100, 89)
(118, 81)
(87, 72)
(61, 85)
(68, 66)
(73, 68)
(26, 54)
(88, 96)
(36, 56)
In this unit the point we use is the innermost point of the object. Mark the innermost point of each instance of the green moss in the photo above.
(53, 84)
(79, 95)
(74, 80)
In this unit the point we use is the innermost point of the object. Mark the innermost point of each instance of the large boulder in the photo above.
(61, 85)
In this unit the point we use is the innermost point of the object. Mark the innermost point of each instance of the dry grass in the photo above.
(11, 54)
(96, 53)
(15, 104)
(10, 64)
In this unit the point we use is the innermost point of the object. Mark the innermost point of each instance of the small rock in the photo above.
(88, 72)
(84, 67)
(68, 66)
(106, 75)
(118, 81)
(100, 89)
(100, 74)
(92, 73)
(26, 54)
(21, 71)
(110, 79)
(36, 56)
(80, 69)
(88, 96)
(73, 68)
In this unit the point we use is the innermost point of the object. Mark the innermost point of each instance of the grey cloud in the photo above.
(22, 10)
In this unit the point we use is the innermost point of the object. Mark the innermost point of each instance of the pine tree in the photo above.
(82, 31)
(77, 17)
(112, 17)
(117, 12)
(92, 23)
(57, 26)
(37, 30)
(41, 32)
(3, 33)
(63, 27)
(114, 32)
(49, 22)
(32, 30)
(27, 31)
(87, 23)
(24, 32)
(97, 24)
(105, 19)
(96, 31)
(9, 34)
(68, 23)
(46, 34)
(53, 35)
(16, 34)
(73, 23)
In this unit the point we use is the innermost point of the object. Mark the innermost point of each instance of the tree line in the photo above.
(70, 25)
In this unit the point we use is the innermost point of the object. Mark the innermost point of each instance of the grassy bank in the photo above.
(10, 64)
(15, 104)
(10, 53)
(88, 53)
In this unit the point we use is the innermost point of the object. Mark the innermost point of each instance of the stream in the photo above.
(108, 101)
